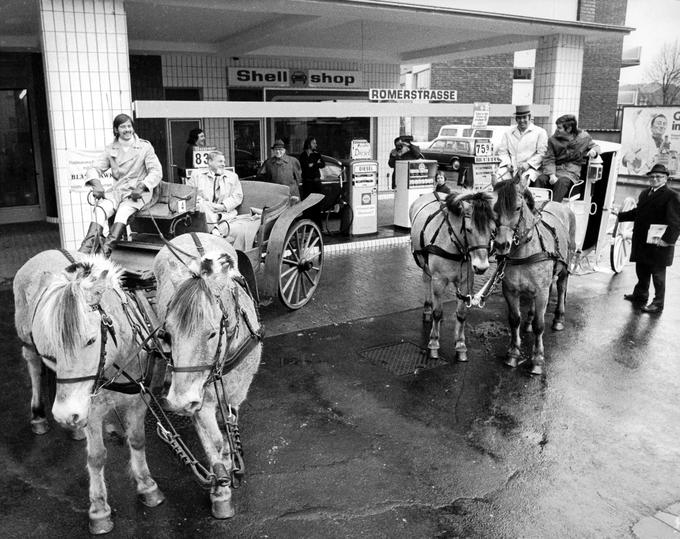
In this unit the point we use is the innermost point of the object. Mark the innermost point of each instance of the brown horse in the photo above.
(450, 241)
(533, 246)
(212, 326)
(72, 315)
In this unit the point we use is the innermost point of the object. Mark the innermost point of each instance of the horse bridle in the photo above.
(525, 236)
(221, 366)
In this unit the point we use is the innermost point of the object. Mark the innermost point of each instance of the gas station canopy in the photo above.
(375, 31)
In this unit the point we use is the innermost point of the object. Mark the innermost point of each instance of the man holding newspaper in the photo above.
(656, 228)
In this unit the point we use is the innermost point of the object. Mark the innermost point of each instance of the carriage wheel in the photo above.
(618, 254)
(301, 264)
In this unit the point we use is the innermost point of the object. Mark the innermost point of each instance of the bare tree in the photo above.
(665, 72)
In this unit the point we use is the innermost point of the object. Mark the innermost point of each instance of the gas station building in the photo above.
(250, 71)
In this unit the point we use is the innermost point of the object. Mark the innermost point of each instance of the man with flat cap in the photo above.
(522, 148)
(282, 168)
(653, 245)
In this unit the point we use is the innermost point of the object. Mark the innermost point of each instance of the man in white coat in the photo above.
(522, 148)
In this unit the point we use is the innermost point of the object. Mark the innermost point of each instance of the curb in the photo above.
(367, 244)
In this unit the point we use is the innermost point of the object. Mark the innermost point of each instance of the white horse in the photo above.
(72, 316)
(212, 326)
(450, 240)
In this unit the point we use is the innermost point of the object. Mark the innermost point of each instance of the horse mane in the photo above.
(482, 214)
(62, 309)
(191, 304)
(506, 201)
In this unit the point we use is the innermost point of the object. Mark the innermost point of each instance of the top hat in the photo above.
(278, 143)
(658, 169)
(522, 110)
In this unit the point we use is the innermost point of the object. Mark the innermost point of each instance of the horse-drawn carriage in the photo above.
(285, 258)
(165, 324)
(536, 242)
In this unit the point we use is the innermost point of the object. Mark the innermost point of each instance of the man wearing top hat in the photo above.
(282, 168)
(652, 253)
(522, 148)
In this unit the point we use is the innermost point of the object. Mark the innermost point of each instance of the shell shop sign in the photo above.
(268, 77)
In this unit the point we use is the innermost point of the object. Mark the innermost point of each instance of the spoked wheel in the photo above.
(301, 264)
(619, 253)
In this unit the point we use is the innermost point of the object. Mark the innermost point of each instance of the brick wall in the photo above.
(482, 78)
(601, 66)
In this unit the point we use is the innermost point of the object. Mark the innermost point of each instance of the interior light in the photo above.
(22, 94)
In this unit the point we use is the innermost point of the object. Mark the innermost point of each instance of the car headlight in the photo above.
(455, 164)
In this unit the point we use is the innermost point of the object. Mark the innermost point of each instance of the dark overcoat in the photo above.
(659, 207)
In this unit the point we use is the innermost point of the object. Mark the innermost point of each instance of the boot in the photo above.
(91, 241)
(116, 231)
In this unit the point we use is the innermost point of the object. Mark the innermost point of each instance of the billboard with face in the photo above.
(650, 135)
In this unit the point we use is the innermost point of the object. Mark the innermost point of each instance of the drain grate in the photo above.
(401, 358)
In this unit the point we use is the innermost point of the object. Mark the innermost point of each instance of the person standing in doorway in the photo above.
(281, 168)
(652, 254)
(311, 163)
(522, 148)
(136, 171)
(196, 139)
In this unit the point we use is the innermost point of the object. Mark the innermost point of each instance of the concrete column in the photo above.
(557, 76)
(87, 77)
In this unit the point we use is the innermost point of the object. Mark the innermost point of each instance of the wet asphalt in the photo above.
(337, 445)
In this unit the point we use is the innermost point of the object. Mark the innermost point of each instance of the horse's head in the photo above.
(67, 330)
(199, 323)
(476, 212)
(514, 206)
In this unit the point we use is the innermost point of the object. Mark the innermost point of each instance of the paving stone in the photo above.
(653, 528)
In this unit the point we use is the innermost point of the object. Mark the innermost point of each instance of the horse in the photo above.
(534, 246)
(72, 315)
(211, 323)
(450, 240)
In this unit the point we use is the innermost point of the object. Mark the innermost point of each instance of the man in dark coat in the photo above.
(658, 205)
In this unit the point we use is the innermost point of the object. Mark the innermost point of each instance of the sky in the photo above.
(656, 22)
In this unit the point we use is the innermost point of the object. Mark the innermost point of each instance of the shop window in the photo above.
(333, 135)
(183, 94)
(245, 94)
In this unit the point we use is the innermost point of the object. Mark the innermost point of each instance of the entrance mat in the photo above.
(401, 358)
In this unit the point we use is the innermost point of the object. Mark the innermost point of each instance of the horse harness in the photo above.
(107, 329)
(519, 239)
(219, 476)
(430, 248)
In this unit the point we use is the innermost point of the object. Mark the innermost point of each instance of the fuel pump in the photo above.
(362, 175)
(413, 179)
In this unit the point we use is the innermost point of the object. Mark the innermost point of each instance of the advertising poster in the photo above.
(79, 160)
(650, 135)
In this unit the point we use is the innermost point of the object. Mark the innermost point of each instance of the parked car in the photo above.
(472, 159)
(493, 132)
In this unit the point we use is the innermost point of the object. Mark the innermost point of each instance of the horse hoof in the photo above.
(223, 509)
(461, 356)
(152, 498)
(40, 426)
(558, 326)
(512, 361)
(427, 318)
(537, 369)
(432, 354)
(100, 526)
(78, 434)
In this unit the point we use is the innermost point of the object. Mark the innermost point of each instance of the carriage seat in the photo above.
(269, 200)
(171, 200)
(171, 203)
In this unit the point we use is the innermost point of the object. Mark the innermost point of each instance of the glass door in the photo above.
(247, 137)
(19, 198)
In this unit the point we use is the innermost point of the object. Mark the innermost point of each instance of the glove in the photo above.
(97, 190)
(137, 192)
(592, 153)
(553, 179)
